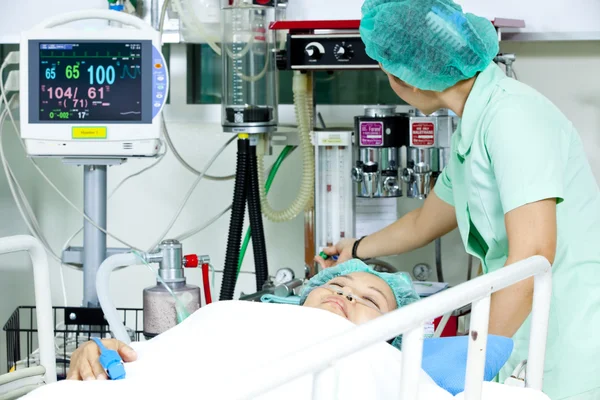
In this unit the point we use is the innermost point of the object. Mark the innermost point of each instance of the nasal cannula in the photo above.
(351, 296)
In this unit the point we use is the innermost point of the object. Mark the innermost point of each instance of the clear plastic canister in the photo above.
(160, 313)
(249, 70)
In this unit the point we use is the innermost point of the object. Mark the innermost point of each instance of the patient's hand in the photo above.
(85, 361)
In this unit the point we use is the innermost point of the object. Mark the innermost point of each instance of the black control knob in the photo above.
(370, 167)
(343, 52)
(314, 51)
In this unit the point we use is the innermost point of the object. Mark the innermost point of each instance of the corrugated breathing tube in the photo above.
(305, 196)
(256, 222)
(236, 224)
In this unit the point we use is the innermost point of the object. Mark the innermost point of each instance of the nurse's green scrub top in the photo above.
(514, 147)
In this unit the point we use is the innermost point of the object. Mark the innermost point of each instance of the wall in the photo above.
(540, 16)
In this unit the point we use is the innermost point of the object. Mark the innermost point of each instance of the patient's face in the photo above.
(368, 287)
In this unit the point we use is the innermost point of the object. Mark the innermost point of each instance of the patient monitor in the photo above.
(92, 93)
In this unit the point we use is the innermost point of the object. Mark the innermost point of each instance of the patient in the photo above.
(351, 290)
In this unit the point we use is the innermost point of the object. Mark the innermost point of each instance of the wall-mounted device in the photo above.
(96, 93)
(323, 45)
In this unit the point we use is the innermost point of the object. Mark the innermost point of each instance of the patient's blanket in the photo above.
(208, 355)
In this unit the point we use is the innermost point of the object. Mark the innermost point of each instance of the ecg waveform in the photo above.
(132, 72)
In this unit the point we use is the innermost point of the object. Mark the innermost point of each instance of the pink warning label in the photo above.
(371, 134)
(422, 134)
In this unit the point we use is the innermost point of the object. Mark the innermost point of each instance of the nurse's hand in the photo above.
(343, 251)
(85, 361)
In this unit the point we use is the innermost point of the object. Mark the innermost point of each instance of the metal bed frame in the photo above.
(19, 383)
(318, 359)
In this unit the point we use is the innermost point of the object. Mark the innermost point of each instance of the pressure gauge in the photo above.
(422, 272)
(284, 275)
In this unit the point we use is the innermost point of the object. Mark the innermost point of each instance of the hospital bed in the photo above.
(321, 358)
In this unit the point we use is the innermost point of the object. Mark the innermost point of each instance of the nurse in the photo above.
(517, 185)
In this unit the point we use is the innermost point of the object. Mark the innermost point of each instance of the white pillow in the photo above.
(208, 353)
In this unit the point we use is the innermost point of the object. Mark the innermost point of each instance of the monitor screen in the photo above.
(90, 81)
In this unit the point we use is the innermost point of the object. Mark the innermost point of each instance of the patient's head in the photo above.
(357, 292)
(358, 297)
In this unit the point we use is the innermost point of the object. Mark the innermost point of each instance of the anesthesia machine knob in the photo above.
(343, 52)
(391, 184)
(314, 51)
(357, 174)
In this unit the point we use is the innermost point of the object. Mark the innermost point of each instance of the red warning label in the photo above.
(422, 134)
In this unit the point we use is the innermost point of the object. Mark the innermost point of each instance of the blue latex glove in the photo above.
(111, 362)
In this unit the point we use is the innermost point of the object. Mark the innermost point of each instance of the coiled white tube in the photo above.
(305, 195)
(103, 289)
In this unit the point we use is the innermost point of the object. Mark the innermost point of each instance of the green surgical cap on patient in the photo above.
(429, 44)
(400, 283)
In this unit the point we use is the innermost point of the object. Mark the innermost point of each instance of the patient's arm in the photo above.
(85, 361)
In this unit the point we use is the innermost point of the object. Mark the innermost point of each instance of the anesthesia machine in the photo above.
(388, 154)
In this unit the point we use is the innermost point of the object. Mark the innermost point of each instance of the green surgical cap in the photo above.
(400, 283)
(429, 44)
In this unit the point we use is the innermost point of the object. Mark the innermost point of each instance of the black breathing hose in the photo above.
(236, 224)
(256, 223)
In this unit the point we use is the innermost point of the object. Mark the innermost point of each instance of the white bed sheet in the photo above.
(497, 391)
(203, 356)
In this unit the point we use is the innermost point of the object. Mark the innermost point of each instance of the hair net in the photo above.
(400, 283)
(429, 44)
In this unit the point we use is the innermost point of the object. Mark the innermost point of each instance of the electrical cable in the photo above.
(184, 163)
(161, 22)
(3, 94)
(189, 19)
(30, 212)
(39, 234)
(17, 192)
(30, 219)
(194, 231)
(191, 191)
(123, 181)
(199, 229)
